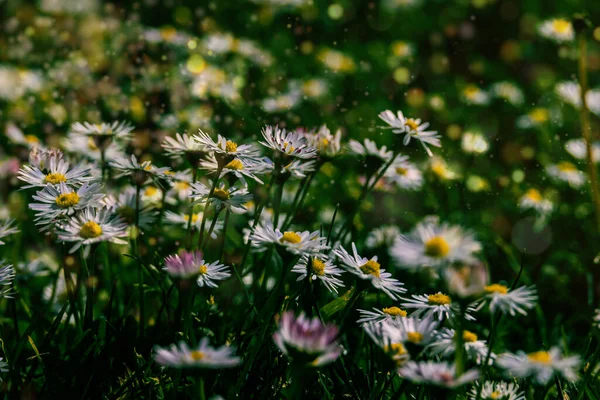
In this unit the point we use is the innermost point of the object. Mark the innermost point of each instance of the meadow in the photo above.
(300, 199)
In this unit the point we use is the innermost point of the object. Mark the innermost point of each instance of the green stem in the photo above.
(210, 194)
(212, 227)
(191, 214)
(137, 254)
(222, 249)
(459, 354)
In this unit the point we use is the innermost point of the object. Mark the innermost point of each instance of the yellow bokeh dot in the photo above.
(196, 64)
(335, 11)
(402, 75)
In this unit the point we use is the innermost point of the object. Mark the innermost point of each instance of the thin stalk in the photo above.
(191, 214)
(586, 129)
(491, 339)
(212, 191)
(459, 354)
(277, 204)
(137, 254)
(212, 227)
(222, 249)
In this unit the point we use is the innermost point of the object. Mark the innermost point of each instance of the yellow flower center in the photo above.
(540, 357)
(67, 200)
(471, 91)
(469, 337)
(203, 269)
(186, 218)
(566, 166)
(197, 355)
(414, 337)
(437, 247)
(495, 395)
(371, 267)
(324, 143)
(230, 147)
(182, 185)
(561, 25)
(90, 230)
(401, 171)
(496, 288)
(534, 195)
(317, 266)
(411, 124)
(150, 191)
(31, 139)
(439, 299)
(396, 349)
(394, 311)
(148, 167)
(92, 144)
(235, 164)
(55, 178)
(221, 194)
(539, 115)
(290, 149)
(290, 237)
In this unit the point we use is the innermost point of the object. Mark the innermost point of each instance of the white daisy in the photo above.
(567, 172)
(577, 148)
(509, 301)
(307, 341)
(378, 316)
(56, 171)
(474, 143)
(40, 158)
(540, 365)
(444, 345)
(16, 135)
(327, 145)
(92, 226)
(438, 305)
(509, 92)
(124, 206)
(411, 128)
(436, 374)
(184, 146)
(433, 244)
(383, 236)
(233, 197)
(370, 150)
(55, 201)
(404, 174)
(472, 94)
(103, 133)
(536, 117)
(532, 199)
(225, 150)
(241, 168)
(497, 391)
(181, 186)
(292, 144)
(7, 275)
(203, 356)
(7, 228)
(558, 29)
(319, 267)
(139, 172)
(86, 147)
(310, 243)
(370, 269)
(389, 340)
(187, 265)
(569, 92)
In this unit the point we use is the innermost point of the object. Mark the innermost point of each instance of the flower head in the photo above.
(203, 356)
(541, 365)
(436, 374)
(188, 265)
(293, 144)
(411, 128)
(320, 268)
(91, 226)
(264, 236)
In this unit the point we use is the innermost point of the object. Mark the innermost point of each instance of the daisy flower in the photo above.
(577, 148)
(567, 172)
(383, 236)
(433, 244)
(404, 174)
(369, 150)
(444, 345)
(378, 316)
(40, 158)
(188, 265)
(54, 201)
(569, 92)
(474, 95)
(540, 365)
(533, 200)
(56, 171)
(403, 330)
(92, 226)
(370, 269)
(225, 150)
(7, 275)
(558, 29)
(184, 146)
(103, 133)
(292, 144)
(241, 168)
(181, 186)
(534, 118)
(307, 341)
(297, 168)
(7, 229)
(16, 135)
(151, 195)
(203, 356)
(440, 169)
(474, 143)
(509, 301)
(124, 206)
(436, 374)
(438, 305)
(3, 366)
(86, 147)
(310, 243)
(139, 172)
(328, 145)
(508, 92)
(319, 267)
(497, 391)
(388, 339)
(411, 128)
(233, 197)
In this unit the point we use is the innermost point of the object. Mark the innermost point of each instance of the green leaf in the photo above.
(336, 305)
